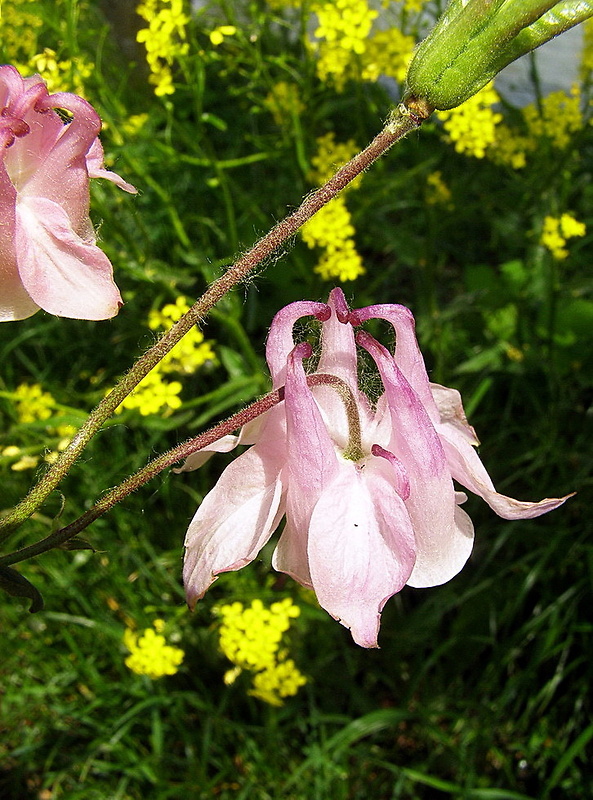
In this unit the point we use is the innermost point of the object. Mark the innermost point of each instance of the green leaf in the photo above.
(14, 584)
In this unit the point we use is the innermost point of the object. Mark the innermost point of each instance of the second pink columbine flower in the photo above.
(48, 253)
(367, 490)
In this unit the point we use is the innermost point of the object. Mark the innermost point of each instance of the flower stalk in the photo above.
(402, 121)
(179, 453)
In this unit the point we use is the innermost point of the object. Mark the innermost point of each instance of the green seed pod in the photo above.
(474, 39)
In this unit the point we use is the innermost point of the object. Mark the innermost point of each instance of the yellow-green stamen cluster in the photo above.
(251, 639)
(164, 39)
(156, 393)
(331, 228)
(149, 652)
(556, 230)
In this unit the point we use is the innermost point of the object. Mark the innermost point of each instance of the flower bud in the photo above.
(474, 39)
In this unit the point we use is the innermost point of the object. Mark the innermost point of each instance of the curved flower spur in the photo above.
(367, 491)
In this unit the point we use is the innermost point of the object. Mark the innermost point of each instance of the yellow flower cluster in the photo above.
(149, 652)
(65, 75)
(437, 191)
(19, 24)
(155, 393)
(472, 125)
(164, 40)
(510, 148)
(388, 53)
(343, 28)
(32, 405)
(251, 638)
(556, 230)
(557, 118)
(346, 48)
(331, 228)
(283, 102)
(413, 6)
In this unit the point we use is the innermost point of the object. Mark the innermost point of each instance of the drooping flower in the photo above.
(367, 490)
(48, 255)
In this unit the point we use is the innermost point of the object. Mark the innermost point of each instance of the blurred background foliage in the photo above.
(223, 115)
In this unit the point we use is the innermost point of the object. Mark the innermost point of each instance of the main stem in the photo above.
(403, 120)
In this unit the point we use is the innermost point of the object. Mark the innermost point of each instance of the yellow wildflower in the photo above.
(154, 395)
(413, 6)
(331, 228)
(19, 24)
(251, 638)
(61, 76)
(134, 123)
(437, 191)
(472, 125)
(150, 654)
(276, 682)
(330, 156)
(557, 119)
(510, 148)
(283, 102)
(343, 28)
(192, 351)
(164, 40)
(388, 53)
(26, 462)
(32, 403)
(556, 231)
(217, 36)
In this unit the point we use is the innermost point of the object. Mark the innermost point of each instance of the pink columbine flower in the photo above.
(367, 490)
(48, 255)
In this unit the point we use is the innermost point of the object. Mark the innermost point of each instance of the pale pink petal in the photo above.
(361, 548)
(451, 412)
(312, 461)
(444, 536)
(407, 353)
(15, 302)
(338, 357)
(280, 339)
(223, 445)
(96, 168)
(311, 464)
(236, 518)
(338, 349)
(290, 555)
(62, 176)
(467, 468)
(62, 273)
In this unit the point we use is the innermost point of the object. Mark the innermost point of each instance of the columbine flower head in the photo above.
(48, 255)
(367, 490)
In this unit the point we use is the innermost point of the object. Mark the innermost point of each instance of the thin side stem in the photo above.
(157, 465)
(402, 121)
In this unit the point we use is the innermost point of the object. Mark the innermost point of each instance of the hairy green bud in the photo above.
(474, 39)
